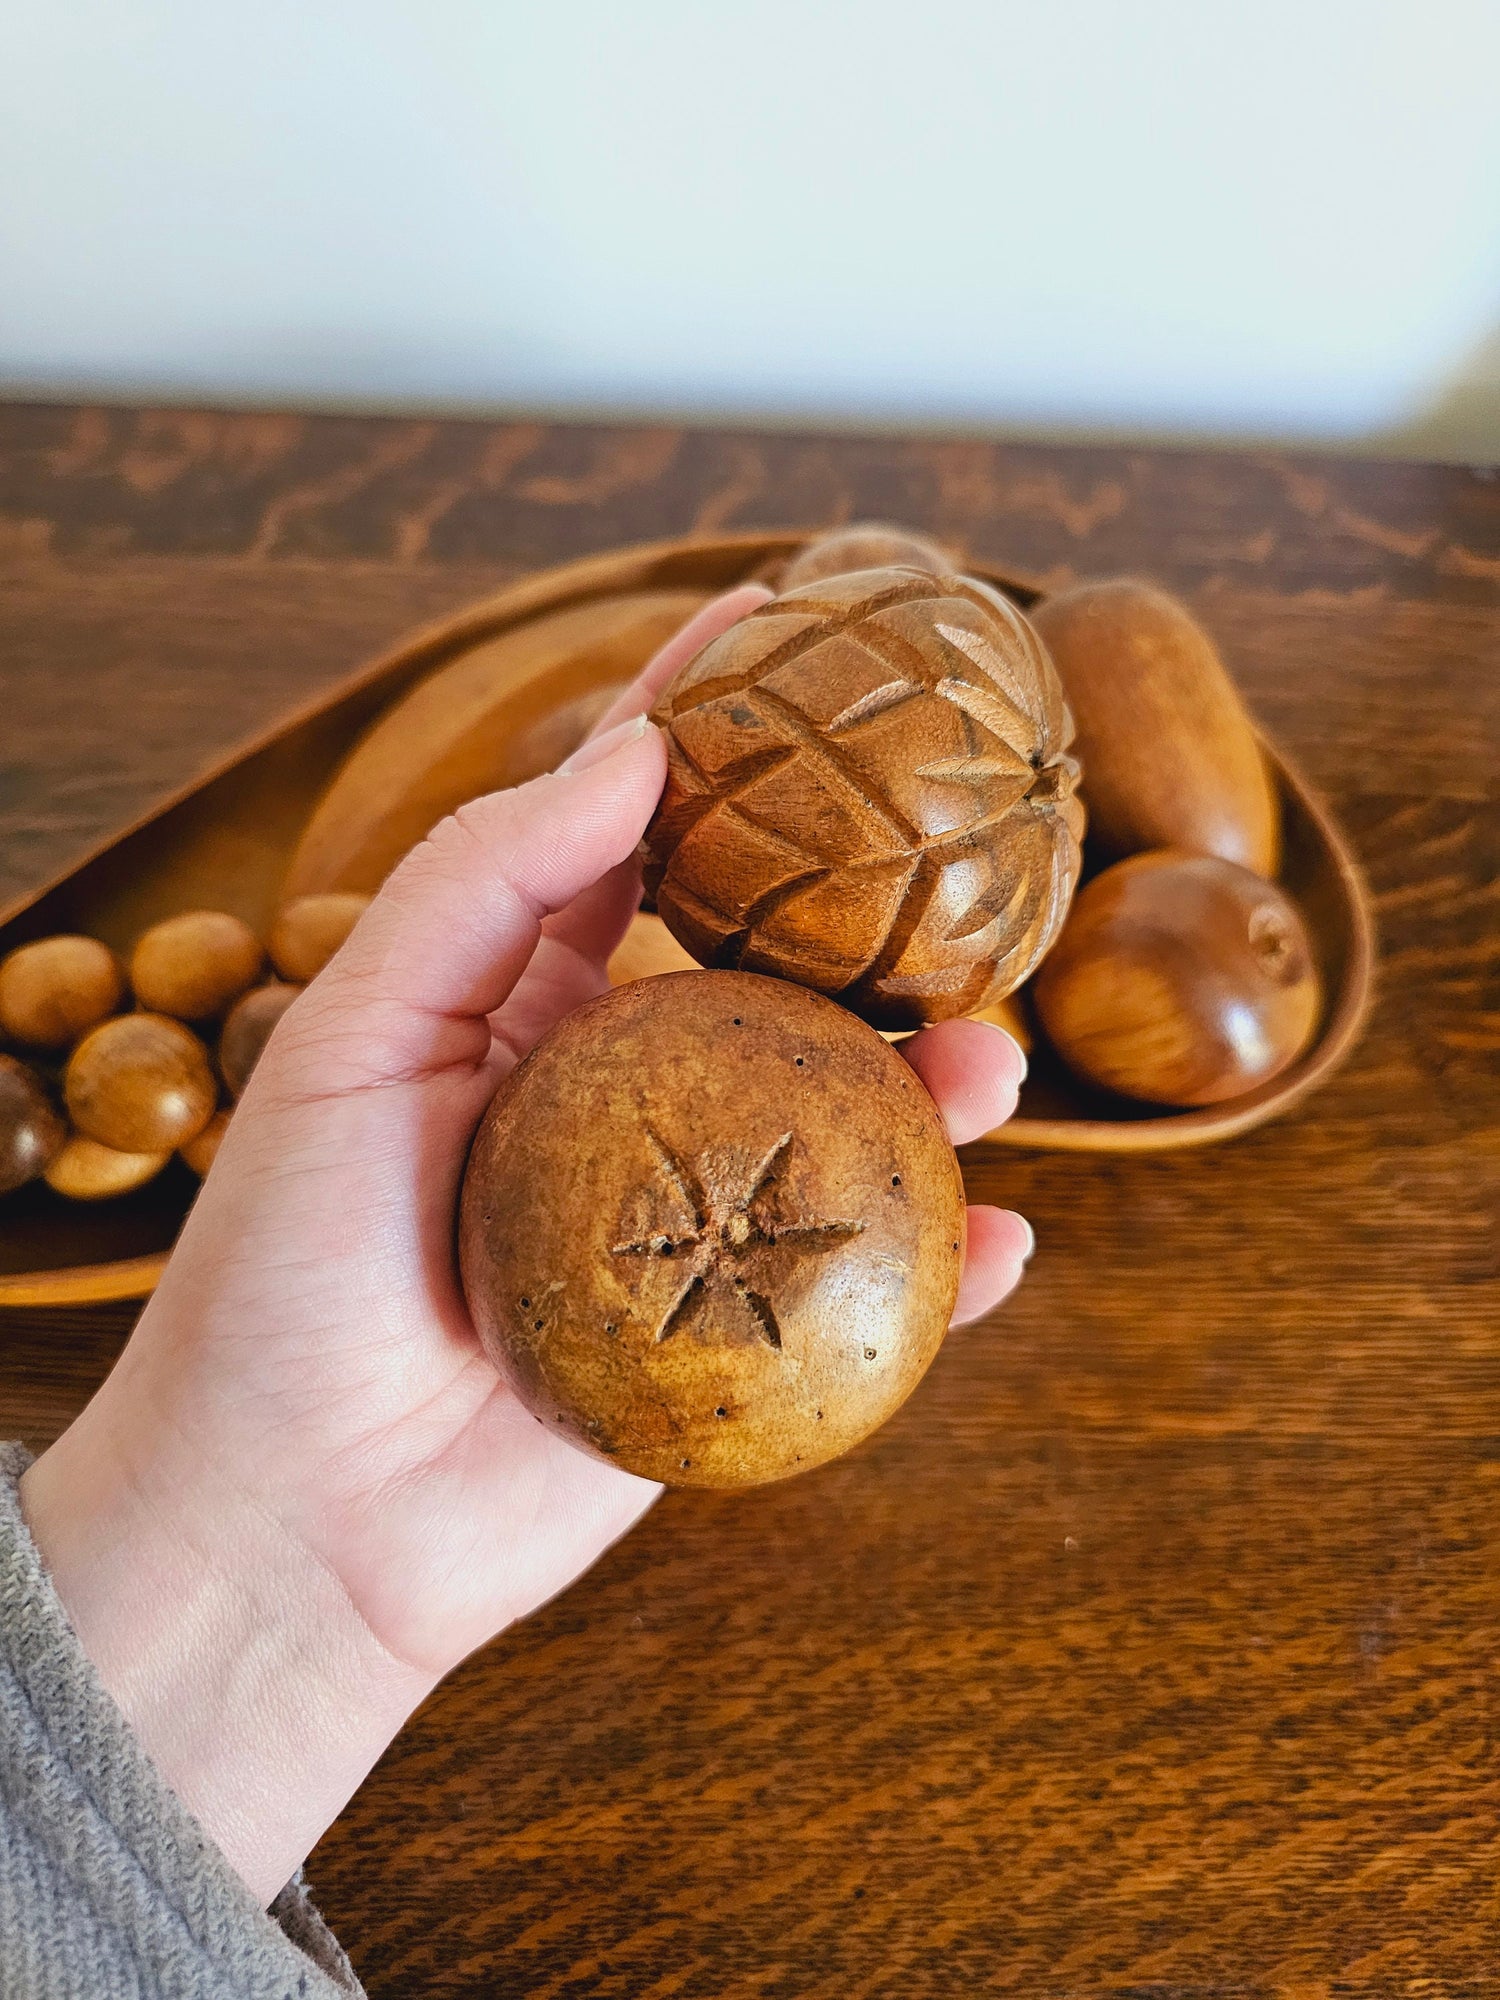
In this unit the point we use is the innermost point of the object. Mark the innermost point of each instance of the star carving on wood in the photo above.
(725, 1258)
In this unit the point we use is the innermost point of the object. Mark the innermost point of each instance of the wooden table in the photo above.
(1153, 1647)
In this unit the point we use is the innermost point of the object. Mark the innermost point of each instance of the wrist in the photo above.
(234, 1654)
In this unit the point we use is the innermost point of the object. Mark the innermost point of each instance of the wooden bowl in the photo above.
(226, 843)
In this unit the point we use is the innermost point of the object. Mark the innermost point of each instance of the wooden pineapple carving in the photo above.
(869, 792)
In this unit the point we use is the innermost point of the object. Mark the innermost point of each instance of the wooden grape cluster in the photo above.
(95, 1100)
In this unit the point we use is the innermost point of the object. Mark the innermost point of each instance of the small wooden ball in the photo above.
(201, 1151)
(864, 545)
(869, 792)
(86, 1171)
(712, 1229)
(56, 989)
(1180, 979)
(192, 966)
(308, 931)
(31, 1132)
(141, 1083)
(248, 1028)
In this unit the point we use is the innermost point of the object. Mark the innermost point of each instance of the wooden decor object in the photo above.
(56, 989)
(869, 792)
(712, 1229)
(201, 1151)
(864, 545)
(140, 1083)
(499, 714)
(308, 931)
(194, 965)
(1179, 979)
(226, 843)
(1171, 756)
(31, 1132)
(248, 1028)
(84, 1170)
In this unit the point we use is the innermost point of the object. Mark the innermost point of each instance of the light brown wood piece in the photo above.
(869, 792)
(1170, 755)
(502, 712)
(1179, 979)
(84, 1170)
(865, 545)
(202, 1150)
(647, 948)
(31, 1132)
(308, 931)
(55, 989)
(712, 1229)
(248, 1027)
(141, 1083)
(194, 965)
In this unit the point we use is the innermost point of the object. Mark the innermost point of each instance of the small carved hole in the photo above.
(738, 1022)
(524, 1304)
(800, 1062)
(609, 1325)
(686, 1463)
(869, 1354)
(895, 1180)
(819, 1415)
(537, 1324)
(722, 1412)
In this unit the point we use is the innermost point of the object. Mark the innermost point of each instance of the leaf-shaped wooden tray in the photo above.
(230, 842)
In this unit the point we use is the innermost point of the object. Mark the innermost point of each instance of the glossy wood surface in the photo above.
(1151, 1648)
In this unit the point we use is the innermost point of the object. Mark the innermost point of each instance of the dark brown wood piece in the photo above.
(1151, 1646)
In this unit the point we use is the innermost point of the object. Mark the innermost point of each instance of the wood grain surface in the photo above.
(1152, 1648)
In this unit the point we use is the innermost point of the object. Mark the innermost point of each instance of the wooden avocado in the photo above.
(1169, 753)
(869, 792)
(712, 1229)
(57, 988)
(86, 1171)
(310, 929)
(1180, 979)
(140, 1083)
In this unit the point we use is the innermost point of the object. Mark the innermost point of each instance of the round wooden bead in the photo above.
(1170, 754)
(31, 1132)
(56, 989)
(202, 1150)
(1180, 979)
(86, 1171)
(310, 930)
(864, 545)
(247, 1029)
(192, 966)
(141, 1083)
(869, 792)
(712, 1229)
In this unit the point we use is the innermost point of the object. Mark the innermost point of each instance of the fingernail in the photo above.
(587, 755)
(1030, 1251)
(1020, 1052)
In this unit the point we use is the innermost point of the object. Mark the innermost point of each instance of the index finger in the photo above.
(707, 623)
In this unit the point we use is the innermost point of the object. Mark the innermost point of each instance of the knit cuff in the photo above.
(108, 1885)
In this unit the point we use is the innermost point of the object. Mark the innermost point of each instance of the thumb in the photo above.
(446, 939)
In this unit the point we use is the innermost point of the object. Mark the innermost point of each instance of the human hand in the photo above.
(304, 1494)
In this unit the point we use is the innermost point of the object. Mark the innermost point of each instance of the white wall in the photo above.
(1278, 217)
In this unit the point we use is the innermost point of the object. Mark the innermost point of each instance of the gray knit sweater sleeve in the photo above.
(109, 1889)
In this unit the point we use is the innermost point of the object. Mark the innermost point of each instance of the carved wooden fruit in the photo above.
(500, 713)
(86, 1171)
(31, 1132)
(140, 1083)
(202, 1150)
(1180, 979)
(868, 792)
(864, 545)
(247, 1029)
(1169, 753)
(712, 1229)
(57, 988)
(308, 931)
(194, 965)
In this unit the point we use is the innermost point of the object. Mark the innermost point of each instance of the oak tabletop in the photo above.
(1152, 1649)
